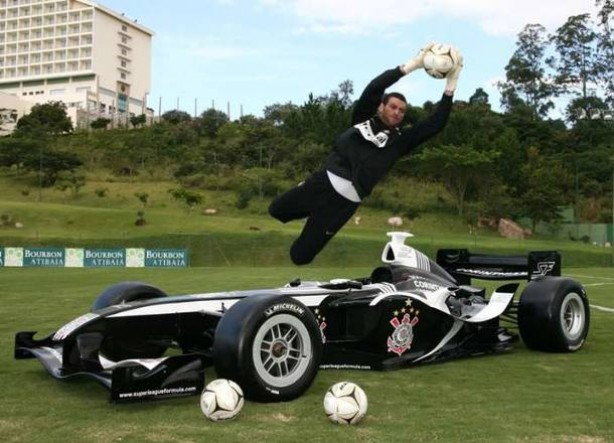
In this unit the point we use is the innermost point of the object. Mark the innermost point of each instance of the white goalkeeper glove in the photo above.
(416, 62)
(452, 77)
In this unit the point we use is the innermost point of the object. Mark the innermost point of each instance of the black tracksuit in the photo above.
(362, 154)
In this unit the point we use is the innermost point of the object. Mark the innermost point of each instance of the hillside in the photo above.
(230, 237)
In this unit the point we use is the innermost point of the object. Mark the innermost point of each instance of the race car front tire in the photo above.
(270, 345)
(126, 292)
(124, 348)
(554, 315)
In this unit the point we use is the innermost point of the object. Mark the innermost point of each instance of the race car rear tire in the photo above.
(554, 315)
(126, 292)
(270, 345)
(124, 348)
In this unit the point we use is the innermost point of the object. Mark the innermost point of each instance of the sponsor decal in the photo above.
(544, 268)
(345, 366)
(167, 258)
(280, 307)
(380, 139)
(402, 336)
(485, 273)
(419, 283)
(158, 392)
(321, 323)
(53, 257)
(68, 328)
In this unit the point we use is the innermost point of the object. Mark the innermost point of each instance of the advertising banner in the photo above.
(105, 258)
(47, 257)
(94, 257)
(166, 258)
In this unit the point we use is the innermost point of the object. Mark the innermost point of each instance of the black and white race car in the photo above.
(143, 344)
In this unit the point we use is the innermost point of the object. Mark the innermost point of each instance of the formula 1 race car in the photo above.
(142, 344)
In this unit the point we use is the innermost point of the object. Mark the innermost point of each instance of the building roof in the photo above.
(117, 15)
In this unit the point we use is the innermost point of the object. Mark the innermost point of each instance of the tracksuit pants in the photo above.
(325, 209)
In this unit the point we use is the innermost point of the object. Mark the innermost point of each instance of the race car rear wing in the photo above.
(463, 265)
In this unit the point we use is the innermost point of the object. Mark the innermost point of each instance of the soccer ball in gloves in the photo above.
(439, 60)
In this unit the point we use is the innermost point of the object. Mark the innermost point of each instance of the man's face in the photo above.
(393, 112)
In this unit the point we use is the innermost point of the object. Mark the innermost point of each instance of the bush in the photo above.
(189, 198)
(6, 220)
(101, 192)
(143, 197)
(244, 196)
(140, 219)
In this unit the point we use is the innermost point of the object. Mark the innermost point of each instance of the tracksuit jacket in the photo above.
(365, 152)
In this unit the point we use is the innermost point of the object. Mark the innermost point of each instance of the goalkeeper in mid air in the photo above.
(361, 157)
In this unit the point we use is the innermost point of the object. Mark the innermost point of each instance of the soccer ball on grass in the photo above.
(345, 403)
(438, 61)
(221, 400)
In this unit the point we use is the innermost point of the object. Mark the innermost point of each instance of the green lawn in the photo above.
(521, 396)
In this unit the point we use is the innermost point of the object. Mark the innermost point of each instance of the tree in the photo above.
(210, 121)
(14, 151)
(278, 113)
(577, 64)
(545, 180)
(458, 167)
(189, 198)
(70, 179)
(48, 118)
(479, 97)
(138, 120)
(100, 123)
(606, 47)
(342, 95)
(176, 117)
(322, 119)
(51, 163)
(526, 79)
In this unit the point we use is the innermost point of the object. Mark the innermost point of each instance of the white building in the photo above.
(11, 110)
(93, 59)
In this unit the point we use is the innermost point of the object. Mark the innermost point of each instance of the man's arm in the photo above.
(371, 97)
(430, 126)
(433, 124)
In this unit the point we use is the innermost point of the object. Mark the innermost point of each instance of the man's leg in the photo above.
(321, 227)
(291, 205)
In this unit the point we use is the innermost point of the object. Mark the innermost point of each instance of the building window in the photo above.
(124, 28)
(123, 75)
(57, 92)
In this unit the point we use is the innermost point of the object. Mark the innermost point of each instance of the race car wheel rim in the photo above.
(282, 350)
(573, 316)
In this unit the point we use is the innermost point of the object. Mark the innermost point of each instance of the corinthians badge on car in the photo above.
(403, 335)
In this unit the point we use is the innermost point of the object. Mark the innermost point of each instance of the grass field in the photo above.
(521, 396)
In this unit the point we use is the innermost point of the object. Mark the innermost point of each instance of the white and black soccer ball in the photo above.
(345, 403)
(221, 400)
(437, 61)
